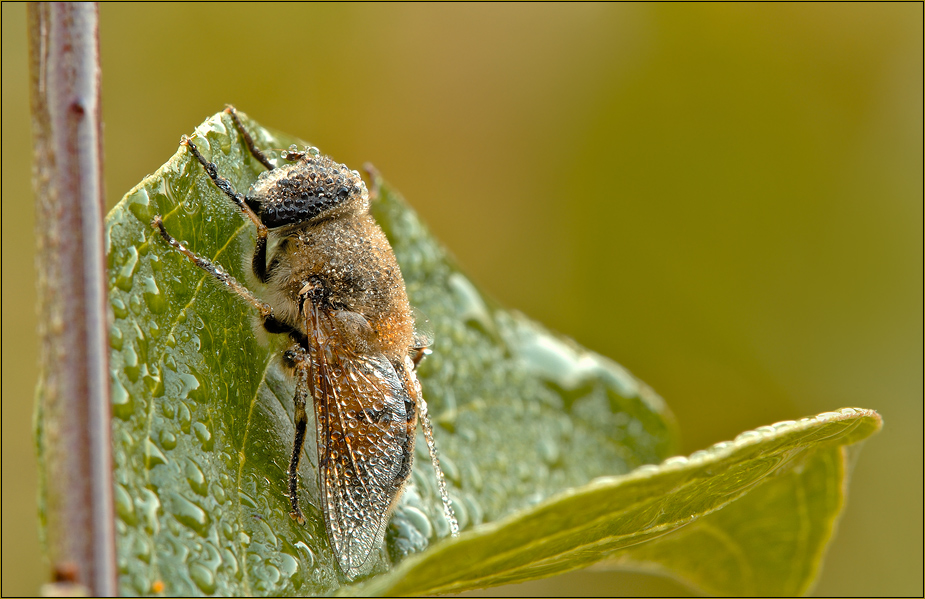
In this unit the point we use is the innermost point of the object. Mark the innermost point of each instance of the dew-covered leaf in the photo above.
(747, 517)
(202, 421)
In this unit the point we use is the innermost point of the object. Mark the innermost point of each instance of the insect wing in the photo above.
(363, 442)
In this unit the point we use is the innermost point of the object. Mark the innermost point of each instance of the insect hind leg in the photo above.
(299, 358)
(435, 460)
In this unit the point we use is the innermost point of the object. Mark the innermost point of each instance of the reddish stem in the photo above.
(74, 425)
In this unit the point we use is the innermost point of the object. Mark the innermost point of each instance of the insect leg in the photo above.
(257, 153)
(215, 270)
(298, 356)
(259, 262)
(441, 480)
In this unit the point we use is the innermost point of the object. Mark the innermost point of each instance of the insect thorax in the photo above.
(350, 258)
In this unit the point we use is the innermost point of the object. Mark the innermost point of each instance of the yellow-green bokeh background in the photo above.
(727, 199)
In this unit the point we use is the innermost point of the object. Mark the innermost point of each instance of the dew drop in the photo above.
(308, 557)
(203, 577)
(476, 514)
(548, 451)
(140, 583)
(204, 435)
(147, 504)
(287, 564)
(153, 455)
(230, 562)
(134, 304)
(189, 384)
(195, 478)
(247, 500)
(122, 404)
(142, 549)
(419, 520)
(119, 309)
(267, 577)
(140, 205)
(168, 409)
(168, 439)
(154, 382)
(185, 417)
(218, 492)
(153, 296)
(228, 530)
(126, 274)
(449, 467)
(189, 514)
(115, 337)
(471, 306)
(271, 537)
(130, 362)
(124, 506)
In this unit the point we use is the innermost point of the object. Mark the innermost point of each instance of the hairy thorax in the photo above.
(351, 259)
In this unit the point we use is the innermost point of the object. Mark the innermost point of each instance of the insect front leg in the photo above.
(216, 271)
(259, 261)
(298, 357)
(255, 151)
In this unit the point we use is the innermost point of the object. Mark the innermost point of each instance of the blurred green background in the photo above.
(727, 199)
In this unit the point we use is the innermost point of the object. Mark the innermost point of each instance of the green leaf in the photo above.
(525, 420)
(760, 508)
(203, 414)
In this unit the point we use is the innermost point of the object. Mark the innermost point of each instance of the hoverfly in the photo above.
(336, 291)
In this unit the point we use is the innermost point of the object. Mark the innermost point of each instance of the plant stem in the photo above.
(74, 426)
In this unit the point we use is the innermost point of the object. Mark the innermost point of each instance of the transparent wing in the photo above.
(364, 444)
